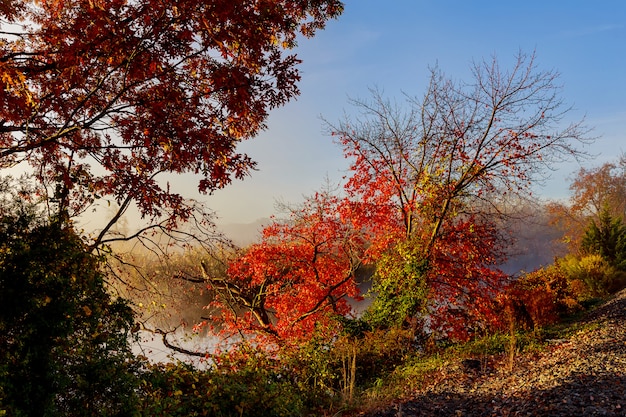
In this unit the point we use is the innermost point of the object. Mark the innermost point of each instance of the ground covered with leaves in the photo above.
(583, 374)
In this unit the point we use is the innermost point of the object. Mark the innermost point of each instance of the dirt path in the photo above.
(584, 375)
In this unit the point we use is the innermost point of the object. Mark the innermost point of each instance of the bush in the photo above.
(63, 339)
(597, 274)
(243, 384)
(333, 374)
(399, 286)
(606, 238)
(543, 295)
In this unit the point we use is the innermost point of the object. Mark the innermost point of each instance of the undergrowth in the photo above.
(342, 377)
(426, 368)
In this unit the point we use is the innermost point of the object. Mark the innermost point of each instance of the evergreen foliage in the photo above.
(607, 238)
(64, 341)
(399, 287)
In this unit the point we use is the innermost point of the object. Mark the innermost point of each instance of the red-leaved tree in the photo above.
(101, 97)
(297, 280)
(421, 206)
(447, 163)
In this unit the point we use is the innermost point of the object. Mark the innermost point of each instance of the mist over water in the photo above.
(535, 243)
(151, 346)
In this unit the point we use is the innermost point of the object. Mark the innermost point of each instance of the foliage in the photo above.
(414, 372)
(607, 238)
(296, 280)
(415, 208)
(379, 352)
(594, 228)
(64, 340)
(543, 295)
(601, 188)
(596, 193)
(358, 368)
(435, 173)
(399, 286)
(314, 370)
(244, 383)
(447, 363)
(464, 279)
(142, 88)
(461, 143)
(592, 276)
(337, 373)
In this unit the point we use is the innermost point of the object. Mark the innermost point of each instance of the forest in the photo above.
(349, 298)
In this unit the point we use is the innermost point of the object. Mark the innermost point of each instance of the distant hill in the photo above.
(244, 234)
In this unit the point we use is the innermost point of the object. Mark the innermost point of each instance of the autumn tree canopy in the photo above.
(102, 96)
(297, 279)
(597, 188)
(463, 142)
(419, 208)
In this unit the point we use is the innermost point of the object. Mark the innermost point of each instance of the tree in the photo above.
(600, 189)
(606, 237)
(102, 97)
(297, 279)
(447, 163)
(596, 192)
(64, 340)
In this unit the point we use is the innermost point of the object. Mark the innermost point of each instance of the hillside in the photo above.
(582, 375)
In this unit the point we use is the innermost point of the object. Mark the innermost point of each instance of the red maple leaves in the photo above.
(136, 89)
(297, 279)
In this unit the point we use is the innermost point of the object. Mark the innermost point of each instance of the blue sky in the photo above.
(390, 44)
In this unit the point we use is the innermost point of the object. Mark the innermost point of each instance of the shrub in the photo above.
(399, 286)
(334, 373)
(63, 339)
(606, 237)
(245, 383)
(599, 277)
(563, 287)
(376, 353)
(543, 294)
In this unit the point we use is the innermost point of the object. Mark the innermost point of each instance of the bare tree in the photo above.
(463, 146)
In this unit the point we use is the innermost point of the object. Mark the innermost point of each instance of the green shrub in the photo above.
(399, 286)
(606, 237)
(243, 384)
(334, 374)
(599, 277)
(63, 339)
